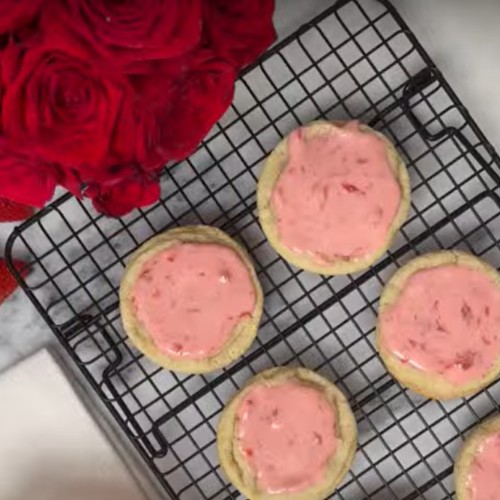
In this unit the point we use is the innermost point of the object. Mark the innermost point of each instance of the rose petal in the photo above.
(14, 14)
(26, 179)
(172, 128)
(239, 30)
(129, 32)
(122, 197)
(69, 111)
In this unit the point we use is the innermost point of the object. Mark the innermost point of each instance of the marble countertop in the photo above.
(459, 36)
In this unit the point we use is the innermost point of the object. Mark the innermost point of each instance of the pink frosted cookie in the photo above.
(190, 299)
(331, 197)
(477, 469)
(438, 330)
(288, 434)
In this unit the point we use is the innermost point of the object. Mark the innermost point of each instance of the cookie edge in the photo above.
(468, 452)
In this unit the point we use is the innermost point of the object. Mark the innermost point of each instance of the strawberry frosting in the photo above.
(287, 435)
(337, 196)
(190, 297)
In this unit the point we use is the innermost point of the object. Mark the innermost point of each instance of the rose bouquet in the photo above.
(98, 95)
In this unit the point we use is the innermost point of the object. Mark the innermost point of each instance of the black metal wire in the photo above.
(358, 59)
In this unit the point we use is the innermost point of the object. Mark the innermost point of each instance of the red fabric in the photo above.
(8, 284)
(98, 95)
(10, 211)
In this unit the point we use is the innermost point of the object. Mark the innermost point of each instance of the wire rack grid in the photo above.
(358, 59)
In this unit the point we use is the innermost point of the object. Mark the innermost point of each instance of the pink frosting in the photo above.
(484, 480)
(446, 321)
(287, 435)
(190, 297)
(337, 196)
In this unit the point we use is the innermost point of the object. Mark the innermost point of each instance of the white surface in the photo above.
(50, 447)
(463, 38)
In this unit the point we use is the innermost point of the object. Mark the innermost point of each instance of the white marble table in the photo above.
(460, 35)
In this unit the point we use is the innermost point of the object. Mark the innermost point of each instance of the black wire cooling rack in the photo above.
(358, 59)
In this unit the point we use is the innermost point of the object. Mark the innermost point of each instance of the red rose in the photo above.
(116, 198)
(14, 14)
(66, 109)
(173, 124)
(130, 31)
(102, 93)
(26, 179)
(239, 30)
